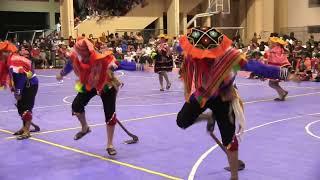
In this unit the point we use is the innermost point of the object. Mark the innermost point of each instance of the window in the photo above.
(313, 29)
(314, 3)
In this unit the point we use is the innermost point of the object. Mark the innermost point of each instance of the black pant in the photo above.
(222, 112)
(108, 99)
(27, 100)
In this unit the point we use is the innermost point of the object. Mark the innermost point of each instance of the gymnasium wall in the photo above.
(29, 6)
(300, 15)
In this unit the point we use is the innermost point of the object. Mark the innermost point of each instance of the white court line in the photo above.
(47, 76)
(35, 108)
(58, 83)
(249, 102)
(140, 105)
(177, 91)
(65, 99)
(171, 90)
(67, 103)
(285, 86)
(51, 76)
(204, 155)
(144, 90)
(102, 124)
(248, 84)
(50, 84)
(143, 77)
(307, 128)
(298, 95)
(305, 87)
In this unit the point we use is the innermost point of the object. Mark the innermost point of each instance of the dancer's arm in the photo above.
(267, 71)
(67, 68)
(65, 71)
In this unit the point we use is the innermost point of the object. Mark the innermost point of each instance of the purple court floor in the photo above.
(282, 140)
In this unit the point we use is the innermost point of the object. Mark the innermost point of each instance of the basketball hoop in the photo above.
(214, 7)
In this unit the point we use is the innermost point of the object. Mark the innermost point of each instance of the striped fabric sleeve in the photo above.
(263, 70)
(67, 68)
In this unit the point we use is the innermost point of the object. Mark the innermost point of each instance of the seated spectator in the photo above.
(139, 40)
(311, 41)
(24, 52)
(90, 38)
(119, 54)
(35, 57)
(291, 37)
(71, 42)
(117, 39)
(255, 38)
(103, 38)
(317, 70)
(303, 68)
(124, 46)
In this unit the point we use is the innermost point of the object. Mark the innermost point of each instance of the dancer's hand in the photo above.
(59, 77)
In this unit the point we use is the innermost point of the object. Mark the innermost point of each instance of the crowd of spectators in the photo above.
(46, 52)
(303, 56)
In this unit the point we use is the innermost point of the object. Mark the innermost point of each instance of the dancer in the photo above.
(276, 56)
(208, 72)
(16, 72)
(163, 61)
(96, 77)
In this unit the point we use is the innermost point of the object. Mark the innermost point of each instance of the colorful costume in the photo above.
(208, 72)
(276, 56)
(163, 62)
(95, 78)
(16, 73)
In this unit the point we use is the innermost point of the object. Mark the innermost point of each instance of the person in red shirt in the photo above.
(16, 72)
(95, 77)
(276, 56)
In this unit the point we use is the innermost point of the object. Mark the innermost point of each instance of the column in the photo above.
(67, 18)
(183, 23)
(268, 16)
(281, 16)
(206, 21)
(254, 19)
(260, 18)
(52, 12)
(159, 25)
(52, 20)
(173, 18)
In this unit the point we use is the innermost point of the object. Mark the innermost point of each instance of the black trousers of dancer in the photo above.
(28, 96)
(222, 112)
(108, 99)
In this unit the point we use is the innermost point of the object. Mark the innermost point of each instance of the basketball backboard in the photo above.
(214, 7)
(217, 6)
